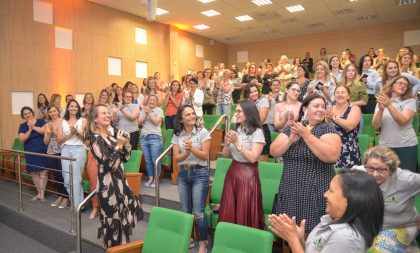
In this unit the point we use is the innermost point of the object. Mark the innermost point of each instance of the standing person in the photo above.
(323, 84)
(120, 208)
(372, 80)
(224, 94)
(56, 100)
(152, 89)
(88, 102)
(105, 98)
(294, 67)
(251, 76)
(151, 137)
(267, 77)
(394, 114)
(174, 100)
(125, 116)
(70, 136)
(344, 59)
(379, 61)
(352, 57)
(138, 96)
(310, 147)
(407, 62)
(288, 109)
(207, 86)
(31, 134)
(252, 93)
(346, 118)
(371, 54)
(303, 80)
(237, 87)
(50, 139)
(358, 94)
(283, 70)
(354, 217)
(191, 147)
(335, 68)
(118, 98)
(68, 98)
(241, 201)
(308, 62)
(323, 54)
(194, 97)
(42, 106)
(275, 97)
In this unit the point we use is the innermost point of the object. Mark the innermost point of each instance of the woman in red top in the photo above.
(174, 99)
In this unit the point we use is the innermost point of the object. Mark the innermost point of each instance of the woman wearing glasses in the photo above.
(399, 188)
(288, 109)
(394, 114)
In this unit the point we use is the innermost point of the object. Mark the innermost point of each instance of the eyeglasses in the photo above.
(402, 84)
(371, 169)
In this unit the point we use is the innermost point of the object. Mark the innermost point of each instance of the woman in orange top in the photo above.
(174, 99)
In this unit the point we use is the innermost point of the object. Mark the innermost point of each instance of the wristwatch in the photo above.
(240, 148)
(334, 117)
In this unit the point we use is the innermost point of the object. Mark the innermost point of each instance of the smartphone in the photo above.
(363, 78)
(319, 86)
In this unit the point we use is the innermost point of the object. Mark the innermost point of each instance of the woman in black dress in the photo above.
(309, 148)
(120, 208)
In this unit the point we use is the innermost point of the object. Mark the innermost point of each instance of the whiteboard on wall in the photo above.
(242, 56)
(199, 50)
(141, 69)
(79, 98)
(114, 66)
(412, 38)
(21, 99)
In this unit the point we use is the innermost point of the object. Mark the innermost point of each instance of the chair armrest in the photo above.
(131, 247)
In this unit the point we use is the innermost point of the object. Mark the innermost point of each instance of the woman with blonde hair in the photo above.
(350, 79)
(344, 59)
(283, 69)
(379, 61)
(407, 62)
(323, 84)
(88, 102)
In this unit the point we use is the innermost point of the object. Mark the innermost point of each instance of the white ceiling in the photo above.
(271, 21)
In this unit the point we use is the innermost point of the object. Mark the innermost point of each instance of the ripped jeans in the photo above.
(193, 184)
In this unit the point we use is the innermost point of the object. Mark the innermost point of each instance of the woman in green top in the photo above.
(350, 78)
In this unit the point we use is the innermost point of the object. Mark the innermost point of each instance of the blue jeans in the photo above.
(223, 109)
(193, 185)
(151, 146)
(78, 152)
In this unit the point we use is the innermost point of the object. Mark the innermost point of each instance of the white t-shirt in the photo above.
(246, 142)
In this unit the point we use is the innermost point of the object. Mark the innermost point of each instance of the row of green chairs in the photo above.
(169, 231)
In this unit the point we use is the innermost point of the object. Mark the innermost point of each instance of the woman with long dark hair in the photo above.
(42, 106)
(310, 147)
(355, 213)
(174, 100)
(241, 197)
(191, 146)
(71, 136)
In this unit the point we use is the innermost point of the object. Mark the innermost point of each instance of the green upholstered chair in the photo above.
(270, 178)
(367, 126)
(363, 144)
(233, 238)
(210, 121)
(133, 164)
(167, 159)
(168, 231)
(216, 189)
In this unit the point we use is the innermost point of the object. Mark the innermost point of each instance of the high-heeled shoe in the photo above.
(93, 213)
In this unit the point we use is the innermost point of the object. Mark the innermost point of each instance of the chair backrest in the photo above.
(416, 123)
(363, 144)
(168, 231)
(210, 120)
(367, 125)
(222, 166)
(270, 177)
(274, 136)
(17, 144)
(166, 143)
(233, 238)
(133, 165)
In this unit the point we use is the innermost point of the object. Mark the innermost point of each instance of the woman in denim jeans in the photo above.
(191, 145)
(151, 136)
(71, 136)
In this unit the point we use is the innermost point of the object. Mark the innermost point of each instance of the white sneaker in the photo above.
(152, 185)
(147, 184)
(192, 243)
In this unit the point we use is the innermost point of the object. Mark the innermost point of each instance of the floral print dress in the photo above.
(120, 208)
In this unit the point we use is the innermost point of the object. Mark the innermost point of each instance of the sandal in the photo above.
(35, 198)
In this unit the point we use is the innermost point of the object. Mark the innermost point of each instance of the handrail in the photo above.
(39, 154)
(78, 220)
(157, 189)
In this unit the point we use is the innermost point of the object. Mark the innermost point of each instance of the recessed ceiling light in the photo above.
(160, 11)
(352, 1)
(210, 13)
(244, 18)
(206, 1)
(316, 25)
(261, 2)
(367, 17)
(231, 38)
(295, 8)
(404, 2)
(201, 27)
(341, 12)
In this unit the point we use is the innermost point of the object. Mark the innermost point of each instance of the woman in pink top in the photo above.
(174, 99)
(288, 110)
